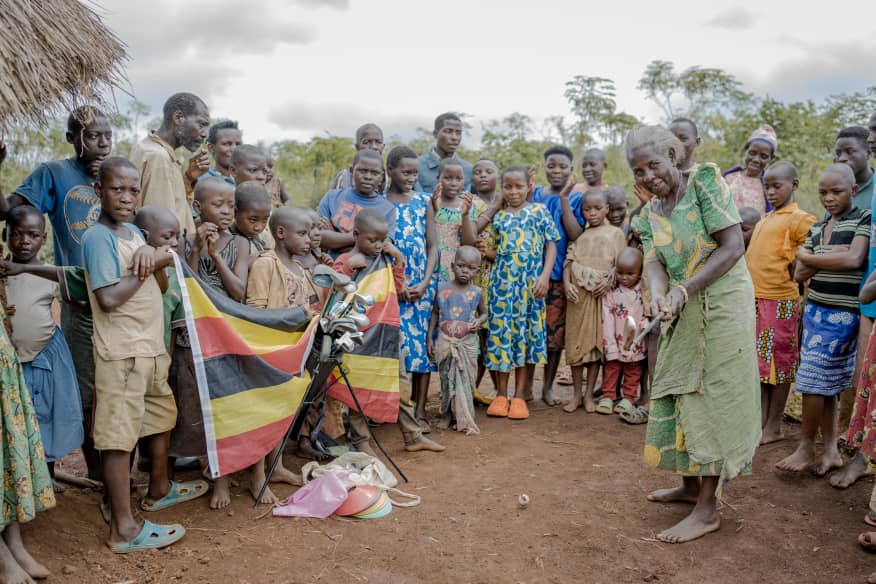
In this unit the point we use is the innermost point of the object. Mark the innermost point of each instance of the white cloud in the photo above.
(298, 68)
(735, 18)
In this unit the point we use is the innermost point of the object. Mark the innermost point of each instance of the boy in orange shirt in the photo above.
(771, 257)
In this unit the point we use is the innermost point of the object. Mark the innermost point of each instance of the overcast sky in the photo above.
(292, 69)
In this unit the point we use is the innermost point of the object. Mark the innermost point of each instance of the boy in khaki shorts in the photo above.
(132, 397)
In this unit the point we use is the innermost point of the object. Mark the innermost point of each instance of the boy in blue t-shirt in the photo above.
(63, 189)
(340, 207)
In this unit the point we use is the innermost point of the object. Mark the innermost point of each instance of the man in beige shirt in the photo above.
(163, 182)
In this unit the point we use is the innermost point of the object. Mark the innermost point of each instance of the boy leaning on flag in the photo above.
(370, 229)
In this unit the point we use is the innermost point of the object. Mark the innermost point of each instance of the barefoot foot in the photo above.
(306, 449)
(445, 422)
(12, 537)
(850, 473)
(829, 460)
(221, 493)
(700, 522)
(256, 480)
(366, 448)
(547, 396)
(802, 459)
(284, 475)
(769, 436)
(10, 571)
(675, 495)
(423, 443)
(589, 405)
(573, 405)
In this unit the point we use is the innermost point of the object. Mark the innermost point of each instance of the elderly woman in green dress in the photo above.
(705, 403)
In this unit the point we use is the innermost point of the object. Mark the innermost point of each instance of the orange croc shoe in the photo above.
(518, 409)
(499, 407)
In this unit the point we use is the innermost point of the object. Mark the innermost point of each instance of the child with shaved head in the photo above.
(833, 259)
(771, 257)
(252, 210)
(248, 162)
(278, 280)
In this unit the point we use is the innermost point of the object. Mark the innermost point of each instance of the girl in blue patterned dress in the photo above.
(526, 252)
(415, 237)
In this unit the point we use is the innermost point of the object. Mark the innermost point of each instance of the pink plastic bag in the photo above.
(319, 498)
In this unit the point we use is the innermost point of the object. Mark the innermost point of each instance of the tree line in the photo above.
(724, 111)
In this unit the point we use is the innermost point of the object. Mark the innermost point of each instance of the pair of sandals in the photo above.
(515, 409)
(153, 536)
(606, 406)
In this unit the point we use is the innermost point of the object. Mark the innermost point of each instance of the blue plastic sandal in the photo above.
(179, 493)
(151, 537)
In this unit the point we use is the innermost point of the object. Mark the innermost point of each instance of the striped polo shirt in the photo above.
(834, 289)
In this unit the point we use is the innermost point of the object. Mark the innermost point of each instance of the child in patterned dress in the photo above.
(525, 255)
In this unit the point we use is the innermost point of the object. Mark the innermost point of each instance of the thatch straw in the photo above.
(54, 56)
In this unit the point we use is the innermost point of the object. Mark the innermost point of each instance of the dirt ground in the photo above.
(588, 521)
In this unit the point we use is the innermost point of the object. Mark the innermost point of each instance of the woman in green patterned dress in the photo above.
(27, 486)
(705, 403)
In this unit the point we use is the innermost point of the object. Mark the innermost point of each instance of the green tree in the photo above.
(696, 92)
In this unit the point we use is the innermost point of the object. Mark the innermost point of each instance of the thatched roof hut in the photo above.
(54, 56)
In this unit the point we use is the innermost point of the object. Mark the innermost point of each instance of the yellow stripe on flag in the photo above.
(372, 373)
(256, 408)
(378, 283)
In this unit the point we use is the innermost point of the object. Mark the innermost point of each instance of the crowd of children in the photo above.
(491, 271)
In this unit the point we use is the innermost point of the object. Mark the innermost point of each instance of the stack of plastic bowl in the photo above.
(365, 502)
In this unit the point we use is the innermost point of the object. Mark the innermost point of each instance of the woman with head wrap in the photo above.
(746, 181)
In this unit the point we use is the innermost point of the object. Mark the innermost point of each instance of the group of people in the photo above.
(491, 272)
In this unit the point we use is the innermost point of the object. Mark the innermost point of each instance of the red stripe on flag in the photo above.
(244, 450)
(382, 406)
(218, 337)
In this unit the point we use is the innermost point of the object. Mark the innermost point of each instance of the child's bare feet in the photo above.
(307, 450)
(423, 443)
(572, 404)
(802, 459)
(829, 460)
(850, 473)
(682, 494)
(256, 480)
(12, 537)
(771, 435)
(445, 421)
(221, 493)
(589, 405)
(284, 475)
(547, 396)
(366, 448)
(702, 520)
(58, 487)
(10, 571)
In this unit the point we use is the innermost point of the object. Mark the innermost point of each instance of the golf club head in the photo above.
(338, 309)
(342, 325)
(345, 343)
(363, 300)
(360, 320)
(325, 277)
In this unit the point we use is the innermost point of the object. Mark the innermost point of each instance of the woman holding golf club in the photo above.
(705, 410)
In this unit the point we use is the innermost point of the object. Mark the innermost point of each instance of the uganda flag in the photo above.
(249, 366)
(373, 367)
